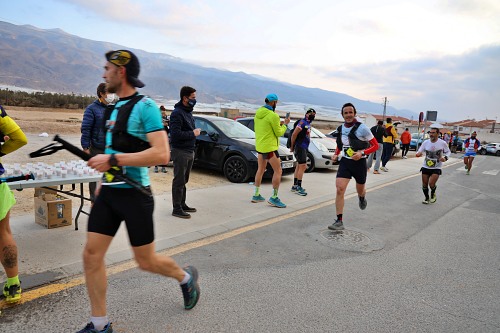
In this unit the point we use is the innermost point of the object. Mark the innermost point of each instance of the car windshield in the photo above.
(416, 135)
(315, 133)
(234, 129)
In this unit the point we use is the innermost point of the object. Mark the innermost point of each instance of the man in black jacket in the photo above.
(378, 133)
(182, 141)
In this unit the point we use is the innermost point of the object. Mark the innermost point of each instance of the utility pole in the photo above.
(385, 105)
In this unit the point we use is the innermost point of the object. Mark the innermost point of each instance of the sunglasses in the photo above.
(120, 58)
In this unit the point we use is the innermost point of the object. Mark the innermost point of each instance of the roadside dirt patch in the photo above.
(67, 122)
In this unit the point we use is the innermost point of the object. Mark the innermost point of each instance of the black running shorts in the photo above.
(349, 168)
(300, 155)
(114, 205)
(430, 172)
(268, 156)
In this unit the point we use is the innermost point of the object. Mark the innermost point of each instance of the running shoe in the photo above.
(468, 172)
(301, 191)
(466, 168)
(426, 201)
(433, 198)
(362, 203)
(12, 293)
(405, 157)
(337, 225)
(91, 329)
(258, 198)
(191, 289)
(294, 188)
(156, 169)
(375, 172)
(384, 169)
(276, 202)
(164, 170)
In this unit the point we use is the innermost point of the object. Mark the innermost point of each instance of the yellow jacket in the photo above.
(390, 139)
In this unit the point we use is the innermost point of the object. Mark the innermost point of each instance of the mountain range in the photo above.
(53, 60)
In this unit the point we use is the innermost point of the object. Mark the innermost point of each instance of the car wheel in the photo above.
(236, 169)
(482, 152)
(310, 163)
(497, 153)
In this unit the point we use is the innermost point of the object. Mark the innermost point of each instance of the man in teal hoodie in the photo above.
(268, 129)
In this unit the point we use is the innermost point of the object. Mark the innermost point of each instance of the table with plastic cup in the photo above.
(57, 174)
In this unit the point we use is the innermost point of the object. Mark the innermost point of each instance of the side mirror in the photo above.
(214, 136)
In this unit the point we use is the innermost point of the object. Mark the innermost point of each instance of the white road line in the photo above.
(491, 172)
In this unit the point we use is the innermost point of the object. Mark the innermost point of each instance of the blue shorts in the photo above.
(467, 154)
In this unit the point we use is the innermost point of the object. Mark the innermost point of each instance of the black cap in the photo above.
(128, 60)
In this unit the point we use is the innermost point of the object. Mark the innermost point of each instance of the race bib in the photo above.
(348, 151)
(430, 162)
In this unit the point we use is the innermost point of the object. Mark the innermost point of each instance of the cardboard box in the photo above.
(53, 211)
(42, 190)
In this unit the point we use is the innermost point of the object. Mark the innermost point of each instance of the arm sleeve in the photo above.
(373, 146)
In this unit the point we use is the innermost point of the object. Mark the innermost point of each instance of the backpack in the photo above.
(121, 140)
(388, 131)
(354, 142)
(289, 140)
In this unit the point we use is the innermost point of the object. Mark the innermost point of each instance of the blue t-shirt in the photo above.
(304, 140)
(144, 118)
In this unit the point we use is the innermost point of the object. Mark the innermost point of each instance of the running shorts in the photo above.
(269, 155)
(430, 172)
(349, 168)
(7, 200)
(467, 154)
(114, 205)
(300, 155)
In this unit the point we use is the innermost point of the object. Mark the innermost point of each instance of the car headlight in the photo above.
(256, 154)
(320, 146)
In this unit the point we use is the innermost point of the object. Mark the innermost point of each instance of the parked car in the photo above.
(417, 139)
(332, 134)
(482, 150)
(321, 148)
(227, 146)
(493, 148)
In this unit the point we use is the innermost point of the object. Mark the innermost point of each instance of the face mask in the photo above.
(110, 98)
(192, 102)
(473, 137)
(311, 118)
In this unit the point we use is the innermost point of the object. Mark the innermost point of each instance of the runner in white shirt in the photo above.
(471, 145)
(436, 152)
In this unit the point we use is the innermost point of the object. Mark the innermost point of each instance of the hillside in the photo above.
(52, 60)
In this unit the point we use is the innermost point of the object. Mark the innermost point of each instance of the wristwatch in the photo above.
(363, 153)
(112, 160)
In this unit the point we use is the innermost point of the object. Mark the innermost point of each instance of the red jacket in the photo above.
(406, 138)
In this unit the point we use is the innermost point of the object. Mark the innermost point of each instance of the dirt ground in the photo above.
(66, 123)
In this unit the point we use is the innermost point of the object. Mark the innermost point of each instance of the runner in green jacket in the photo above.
(268, 129)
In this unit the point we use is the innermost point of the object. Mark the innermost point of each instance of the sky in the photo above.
(422, 55)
